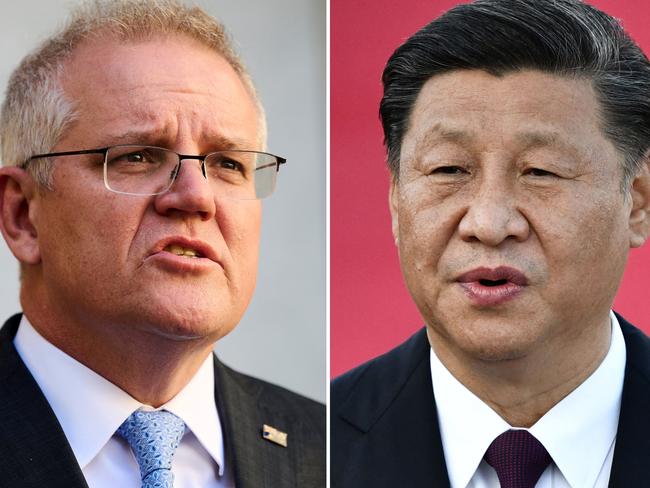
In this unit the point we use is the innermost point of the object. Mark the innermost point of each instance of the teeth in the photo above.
(182, 251)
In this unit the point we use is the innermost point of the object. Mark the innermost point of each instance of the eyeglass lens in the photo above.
(146, 170)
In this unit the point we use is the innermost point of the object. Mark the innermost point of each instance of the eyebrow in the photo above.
(216, 142)
(439, 132)
(551, 139)
(540, 139)
(528, 139)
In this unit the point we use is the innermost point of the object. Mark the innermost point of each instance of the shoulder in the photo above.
(393, 367)
(362, 396)
(637, 345)
(383, 424)
(275, 397)
(249, 403)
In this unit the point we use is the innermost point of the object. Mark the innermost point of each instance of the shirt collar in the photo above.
(579, 429)
(196, 405)
(90, 408)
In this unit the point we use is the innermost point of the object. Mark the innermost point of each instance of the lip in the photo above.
(484, 295)
(209, 256)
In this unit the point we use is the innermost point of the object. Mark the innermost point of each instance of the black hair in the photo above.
(563, 37)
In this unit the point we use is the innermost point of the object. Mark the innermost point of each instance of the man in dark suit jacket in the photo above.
(394, 440)
(518, 137)
(134, 168)
(38, 454)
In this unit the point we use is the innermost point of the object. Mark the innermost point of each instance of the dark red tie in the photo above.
(518, 458)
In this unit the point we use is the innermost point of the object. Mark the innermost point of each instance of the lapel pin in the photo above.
(274, 435)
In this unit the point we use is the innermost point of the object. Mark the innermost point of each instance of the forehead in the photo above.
(163, 86)
(527, 107)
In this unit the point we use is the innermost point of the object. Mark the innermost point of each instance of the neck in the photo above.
(151, 367)
(522, 390)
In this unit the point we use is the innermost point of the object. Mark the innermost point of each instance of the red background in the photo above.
(371, 310)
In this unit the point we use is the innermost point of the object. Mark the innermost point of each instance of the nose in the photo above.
(190, 192)
(493, 217)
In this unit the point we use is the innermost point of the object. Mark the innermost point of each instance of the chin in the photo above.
(490, 341)
(189, 321)
(182, 330)
(497, 352)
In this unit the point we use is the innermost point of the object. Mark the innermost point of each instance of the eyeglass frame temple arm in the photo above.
(102, 150)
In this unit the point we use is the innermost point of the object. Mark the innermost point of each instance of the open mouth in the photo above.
(492, 286)
(485, 282)
(494, 277)
(185, 252)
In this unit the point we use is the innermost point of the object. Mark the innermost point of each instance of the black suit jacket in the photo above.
(34, 452)
(384, 424)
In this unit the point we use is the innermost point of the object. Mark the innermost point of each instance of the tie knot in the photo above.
(153, 437)
(518, 458)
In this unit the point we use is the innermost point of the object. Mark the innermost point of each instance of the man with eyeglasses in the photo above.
(133, 145)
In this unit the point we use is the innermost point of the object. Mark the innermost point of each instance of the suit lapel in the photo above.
(631, 466)
(35, 450)
(393, 407)
(258, 463)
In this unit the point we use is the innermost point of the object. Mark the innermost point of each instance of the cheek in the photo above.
(587, 229)
(240, 227)
(83, 238)
(586, 249)
(425, 231)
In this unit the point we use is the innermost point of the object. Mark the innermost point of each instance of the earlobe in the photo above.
(639, 223)
(17, 192)
(393, 204)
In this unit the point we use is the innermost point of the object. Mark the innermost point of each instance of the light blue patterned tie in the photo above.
(154, 437)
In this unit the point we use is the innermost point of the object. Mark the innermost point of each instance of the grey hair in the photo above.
(36, 112)
(562, 37)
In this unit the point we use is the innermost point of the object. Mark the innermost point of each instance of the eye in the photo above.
(538, 172)
(231, 164)
(448, 170)
(135, 158)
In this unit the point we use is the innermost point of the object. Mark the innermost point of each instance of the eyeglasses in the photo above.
(148, 170)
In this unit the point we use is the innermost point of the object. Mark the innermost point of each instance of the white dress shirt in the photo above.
(579, 432)
(90, 409)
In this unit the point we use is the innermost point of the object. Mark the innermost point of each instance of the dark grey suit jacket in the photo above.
(34, 452)
(384, 425)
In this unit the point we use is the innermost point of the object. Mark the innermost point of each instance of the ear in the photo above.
(639, 223)
(393, 205)
(17, 194)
